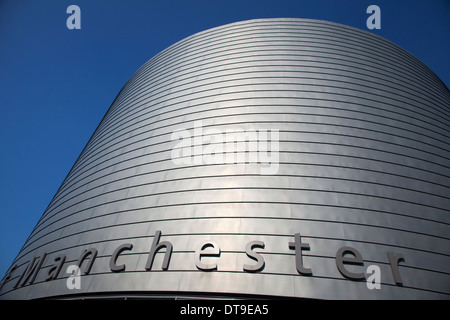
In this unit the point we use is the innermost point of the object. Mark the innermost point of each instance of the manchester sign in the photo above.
(345, 256)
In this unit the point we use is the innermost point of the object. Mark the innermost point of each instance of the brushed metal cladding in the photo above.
(363, 162)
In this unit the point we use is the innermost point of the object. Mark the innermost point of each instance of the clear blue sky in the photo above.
(56, 84)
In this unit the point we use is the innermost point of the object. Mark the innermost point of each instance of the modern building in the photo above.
(266, 158)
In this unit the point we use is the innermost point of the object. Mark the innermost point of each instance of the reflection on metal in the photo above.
(363, 175)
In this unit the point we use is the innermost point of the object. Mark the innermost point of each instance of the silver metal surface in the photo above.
(363, 163)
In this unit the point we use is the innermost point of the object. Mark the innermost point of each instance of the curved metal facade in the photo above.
(362, 168)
